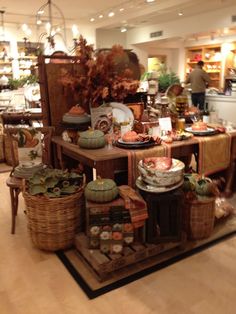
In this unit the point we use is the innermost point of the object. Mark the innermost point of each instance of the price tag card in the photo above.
(165, 124)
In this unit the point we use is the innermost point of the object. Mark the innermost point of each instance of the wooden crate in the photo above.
(164, 223)
(102, 265)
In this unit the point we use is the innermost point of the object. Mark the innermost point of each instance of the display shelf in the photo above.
(211, 56)
(5, 60)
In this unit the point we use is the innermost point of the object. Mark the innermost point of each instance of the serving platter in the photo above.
(209, 131)
(154, 189)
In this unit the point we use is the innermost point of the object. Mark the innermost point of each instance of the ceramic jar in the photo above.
(92, 139)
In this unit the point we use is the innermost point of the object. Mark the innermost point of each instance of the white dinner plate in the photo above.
(199, 132)
(122, 113)
(132, 143)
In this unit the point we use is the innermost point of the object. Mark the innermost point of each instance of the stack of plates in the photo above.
(158, 181)
(68, 118)
(27, 170)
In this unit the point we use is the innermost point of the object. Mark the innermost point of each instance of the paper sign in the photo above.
(165, 124)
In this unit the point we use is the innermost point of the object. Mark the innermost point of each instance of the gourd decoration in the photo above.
(101, 190)
(204, 187)
(92, 139)
(189, 183)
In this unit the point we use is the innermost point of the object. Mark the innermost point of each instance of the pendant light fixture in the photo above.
(51, 22)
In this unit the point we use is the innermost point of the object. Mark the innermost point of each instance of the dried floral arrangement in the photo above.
(109, 75)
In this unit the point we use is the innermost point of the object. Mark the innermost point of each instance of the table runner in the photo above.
(214, 153)
(134, 156)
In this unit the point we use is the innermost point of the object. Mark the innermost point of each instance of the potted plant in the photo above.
(166, 78)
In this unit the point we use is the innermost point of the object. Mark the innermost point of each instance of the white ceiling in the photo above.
(136, 13)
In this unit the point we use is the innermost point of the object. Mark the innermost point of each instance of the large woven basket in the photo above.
(199, 217)
(53, 222)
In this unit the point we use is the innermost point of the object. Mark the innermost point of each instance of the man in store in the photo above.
(199, 80)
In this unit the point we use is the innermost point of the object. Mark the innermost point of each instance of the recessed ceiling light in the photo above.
(123, 29)
(180, 14)
(121, 9)
(92, 19)
(111, 14)
(226, 30)
(101, 16)
(149, 1)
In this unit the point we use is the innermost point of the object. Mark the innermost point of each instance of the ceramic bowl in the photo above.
(162, 178)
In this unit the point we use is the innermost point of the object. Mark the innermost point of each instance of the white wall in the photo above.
(208, 21)
(109, 38)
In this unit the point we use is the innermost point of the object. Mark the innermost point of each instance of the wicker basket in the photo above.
(199, 217)
(53, 222)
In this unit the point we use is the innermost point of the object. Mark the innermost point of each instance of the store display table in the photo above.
(109, 160)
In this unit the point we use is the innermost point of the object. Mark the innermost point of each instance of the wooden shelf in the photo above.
(205, 61)
(7, 74)
(214, 71)
(5, 62)
(213, 65)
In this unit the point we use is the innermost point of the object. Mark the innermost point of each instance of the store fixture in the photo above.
(211, 55)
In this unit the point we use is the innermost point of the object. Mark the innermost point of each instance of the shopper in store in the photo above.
(199, 80)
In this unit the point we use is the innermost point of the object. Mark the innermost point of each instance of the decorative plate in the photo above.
(209, 131)
(122, 113)
(154, 189)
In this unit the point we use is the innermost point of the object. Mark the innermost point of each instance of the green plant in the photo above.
(17, 83)
(54, 182)
(165, 79)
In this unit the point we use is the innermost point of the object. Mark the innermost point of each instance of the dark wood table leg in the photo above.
(229, 177)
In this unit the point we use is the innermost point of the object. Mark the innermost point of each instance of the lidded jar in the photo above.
(92, 139)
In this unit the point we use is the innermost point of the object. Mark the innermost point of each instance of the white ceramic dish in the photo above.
(132, 143)
(165, 178)
(199, 132)
(122, 113)
(154, 189)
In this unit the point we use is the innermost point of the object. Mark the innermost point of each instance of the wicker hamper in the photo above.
(53, 222)
(198, 217)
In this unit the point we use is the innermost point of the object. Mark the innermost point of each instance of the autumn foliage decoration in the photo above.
(101, 77)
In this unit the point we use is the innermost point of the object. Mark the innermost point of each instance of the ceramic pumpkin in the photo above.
(92, 139)
(189, 183)
(204, 186)
(101, 190)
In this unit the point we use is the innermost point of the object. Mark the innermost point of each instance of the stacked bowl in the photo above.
(160, 174)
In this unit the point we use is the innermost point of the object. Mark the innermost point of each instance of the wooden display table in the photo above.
(107, 160)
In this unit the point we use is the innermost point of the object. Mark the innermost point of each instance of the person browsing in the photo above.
(199, 80)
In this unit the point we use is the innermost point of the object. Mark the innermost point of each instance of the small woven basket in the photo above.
(53, 222)
(199, 217)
